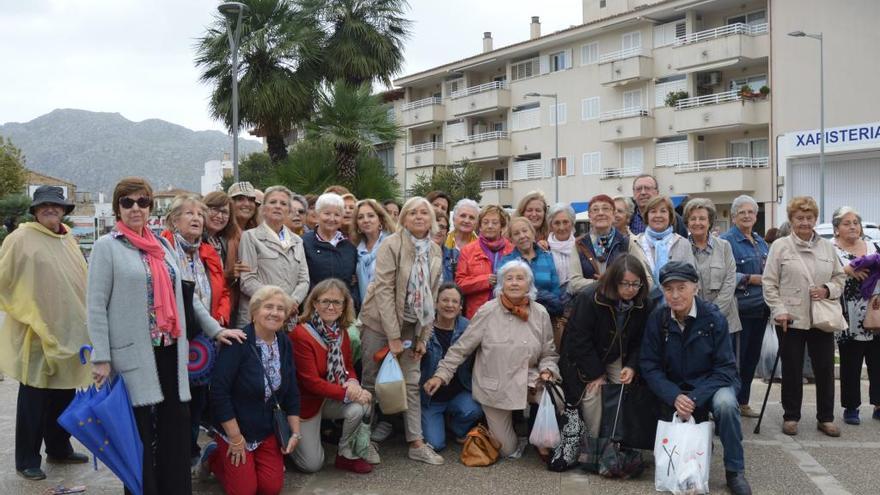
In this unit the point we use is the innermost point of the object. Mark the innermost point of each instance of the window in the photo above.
(525, 69)
(557, 61)
(632, 100)
(754, 82)
(563, 114)
(671, 152)
(750, 148)
(562, 168)
(455, 131)
(601, 4)
(498, 126)
(589, 53)
(633, 158)
(752, 18)
(454, 85)
(590, 108)
(665, 34)
(669, 85)
(500, 174)
(525, 117)
(631, 41)
(592, 163)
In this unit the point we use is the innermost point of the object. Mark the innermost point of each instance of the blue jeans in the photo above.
(463, 415)
(751, 338)
(725, 410)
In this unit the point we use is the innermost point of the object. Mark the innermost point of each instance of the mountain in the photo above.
(95, 149)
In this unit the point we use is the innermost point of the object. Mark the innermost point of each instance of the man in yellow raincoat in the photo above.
(43, 292)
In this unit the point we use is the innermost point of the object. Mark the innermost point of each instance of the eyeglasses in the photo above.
(604, 209)
(644, 188)
(326, 303)
(218, 211)
(299, 211)
(129, 203)
(630, 285)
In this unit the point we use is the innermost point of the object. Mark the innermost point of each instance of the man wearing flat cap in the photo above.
(687, 361)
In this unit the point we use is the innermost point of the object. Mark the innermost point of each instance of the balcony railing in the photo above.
(713, 99)
(487, 185)
(425, 102)
(429, 146)
(709, 34)
(485, 136)
(624, 113)
(482, 88)
(722, 163)
(621, 54)
(616, 173)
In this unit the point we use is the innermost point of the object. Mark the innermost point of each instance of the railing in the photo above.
(621, 54)
(722, 163)
(425, 102)
(623, 113)
(482, 88)
(616, 173)
(485, 136)
(494, 184)
(429, 146)
(710, 34)
(531, 169)
(713, 99)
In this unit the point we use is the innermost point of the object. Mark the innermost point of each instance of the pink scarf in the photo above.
(163, 293)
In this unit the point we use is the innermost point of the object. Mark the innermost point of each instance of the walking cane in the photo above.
(772, 374)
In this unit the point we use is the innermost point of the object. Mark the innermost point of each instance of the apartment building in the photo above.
(612, 77)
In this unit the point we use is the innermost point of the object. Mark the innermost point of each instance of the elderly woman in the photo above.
(659, 244)
(750, 253)
(479, 261)
(515, 354)
(275, 254)
(624, 209)
(250, 379)
(439, 199)
(598, 248)
(803, 268)
(534, 207)
(399, 307)
(561, 241)
(137, 326)
(327, 380)
(244, 205)
(540, 261)
(464, 226)
(392, 207)
(855, 343)
(374, 225)
(604, 334)
(296, 221)
(328, 251)
(43, 293)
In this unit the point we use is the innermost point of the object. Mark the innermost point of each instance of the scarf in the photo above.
(418, 289)
(659, 243)
(561, 252)
(520, 309)
(332, 338)
(366, 265)
(451, 244)
(493, 250)
(601, 244)
(193, 269)
(165, 302)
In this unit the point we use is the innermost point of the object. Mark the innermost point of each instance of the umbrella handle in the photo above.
(82, 354)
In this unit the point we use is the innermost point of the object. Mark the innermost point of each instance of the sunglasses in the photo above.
(129, 203)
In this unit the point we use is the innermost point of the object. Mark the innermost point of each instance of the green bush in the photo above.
(673, 96)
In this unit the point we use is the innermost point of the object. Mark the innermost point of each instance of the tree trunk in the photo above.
(346, 163)
(276, 147)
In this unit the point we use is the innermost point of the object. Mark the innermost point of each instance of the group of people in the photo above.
(251, 305)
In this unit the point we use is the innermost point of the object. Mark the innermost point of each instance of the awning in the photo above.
(580, 206)
(678, 200)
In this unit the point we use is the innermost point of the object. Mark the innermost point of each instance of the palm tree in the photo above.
(353, 121)
(279, 70)
(364, 38)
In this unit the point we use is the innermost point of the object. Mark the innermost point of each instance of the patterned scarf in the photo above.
(659, 242)
(193, 269)
(418, 288)
(601, 243)
(332, 338)
(493, 249)
(520, 309)
(561, 251)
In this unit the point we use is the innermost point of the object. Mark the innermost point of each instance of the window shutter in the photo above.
(569, 56)
(545, 64)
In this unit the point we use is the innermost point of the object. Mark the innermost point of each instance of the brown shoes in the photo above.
(789, 428)
(746, 411)
(829, 429)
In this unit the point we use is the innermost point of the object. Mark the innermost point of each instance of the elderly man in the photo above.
(43, 292)
(645, 187)
(687, 361)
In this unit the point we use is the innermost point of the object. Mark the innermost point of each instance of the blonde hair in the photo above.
(656, 202)
(805, 204)
(488, 210)
(523, 220)
(265, 293)
(346, 318)
(544, 228)
(413, 203)
(388, 224)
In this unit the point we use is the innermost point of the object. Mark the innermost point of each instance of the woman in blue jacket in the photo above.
(329, 252)
(455, 399)
(522, 235)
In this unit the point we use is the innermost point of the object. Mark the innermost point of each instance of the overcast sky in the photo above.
(135, 57)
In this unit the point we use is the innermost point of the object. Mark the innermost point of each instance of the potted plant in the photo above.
(746, 91)
(673, 96)
(765, 90)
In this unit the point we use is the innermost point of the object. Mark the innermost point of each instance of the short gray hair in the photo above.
(179, 203)
(697, 204)
(329, 200)
(516, 264)
(466, 203)
(630, 204)
(299, 198)
(841, 212)
(561, 208)
(741, 200)
(265, 293)
(278, 189)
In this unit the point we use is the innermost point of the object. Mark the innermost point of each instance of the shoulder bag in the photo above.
(480, 448)
(826, 314)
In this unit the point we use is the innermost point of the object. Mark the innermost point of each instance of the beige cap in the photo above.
(242, 189)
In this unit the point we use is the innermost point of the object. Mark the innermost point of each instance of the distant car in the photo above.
(872, 230)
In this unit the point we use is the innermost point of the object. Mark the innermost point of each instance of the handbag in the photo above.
(605, 454)
(480, 448)
(279, 418)
(193, 328)
(826, 314)
(639, 411)
(571, 428)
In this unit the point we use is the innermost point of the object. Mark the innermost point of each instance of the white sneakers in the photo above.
(425, 454)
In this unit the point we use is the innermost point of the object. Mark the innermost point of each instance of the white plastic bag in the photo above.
(682, 456)
(769, 347)
(545, 432)
(390, 386)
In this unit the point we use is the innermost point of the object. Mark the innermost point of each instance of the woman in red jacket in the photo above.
(479, 261)
(328, 385)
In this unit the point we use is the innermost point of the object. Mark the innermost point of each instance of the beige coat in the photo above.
(786, 286)
(718, 280)
(382, 309)
(511, 353)
(680, 250)
(271, 264)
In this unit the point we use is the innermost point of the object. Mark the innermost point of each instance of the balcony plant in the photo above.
(765, 91)
(746, 92)
(673, 96)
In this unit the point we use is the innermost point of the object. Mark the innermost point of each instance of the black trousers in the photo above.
(820, 346)
(852, 354)
(165, 432)
(36, 421)
(198, 408)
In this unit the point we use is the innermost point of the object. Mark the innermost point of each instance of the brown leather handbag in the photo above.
(480, 448)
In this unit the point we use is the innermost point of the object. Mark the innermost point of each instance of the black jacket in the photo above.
(592, 339)
(326, 261)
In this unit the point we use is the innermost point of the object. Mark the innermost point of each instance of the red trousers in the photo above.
(261, 474)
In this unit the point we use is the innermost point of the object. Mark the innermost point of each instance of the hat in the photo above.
(242, 189)
(50, 195)
(678, 270)
(258, 196)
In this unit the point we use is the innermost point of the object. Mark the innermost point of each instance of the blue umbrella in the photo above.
(103, 421)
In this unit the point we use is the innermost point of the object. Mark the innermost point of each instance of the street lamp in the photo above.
(229, 11)
(818, 36)
(556, 128)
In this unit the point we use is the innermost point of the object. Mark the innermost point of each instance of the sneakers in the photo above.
(381, 432)
(204, 473)
(746, 411)
(851, 416)
(425, 454)
(789, 428)
(372, 455)
(828, 428)
(738, 484)
(358, 466)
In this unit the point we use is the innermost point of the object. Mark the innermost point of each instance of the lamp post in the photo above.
(818, 36)
(234, 10)
(555, 97)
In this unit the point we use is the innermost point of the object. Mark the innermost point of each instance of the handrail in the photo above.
(709, 34)
(489, 86)
(424, 102)
(722, 163)
(713, 99)
(429, 146)
(636, 51)
(624, 113)
(494, 184)
(615, 173)
(484, 136)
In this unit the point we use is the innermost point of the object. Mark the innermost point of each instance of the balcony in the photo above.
(628, 124)
(720, 112)
(531, 170)
(722, 175)
(422, 113)
(620, 173)
(496, 192)
(426, 155)
(625, 66)
(479, 100)
(482, 147)
(721, 46)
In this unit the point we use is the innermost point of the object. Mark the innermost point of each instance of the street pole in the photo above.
(556, 125)
(821, 129)
(234, 36)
